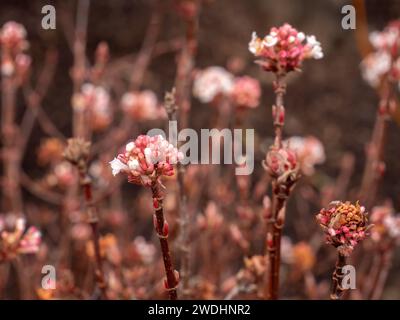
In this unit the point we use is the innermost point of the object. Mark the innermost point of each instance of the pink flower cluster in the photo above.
(13, 42)
(384, 61)
(211, 83)
(344, 224)
(281, 162)
(386, 224)
(246, 92)
(284, 49)
(142, 105)
(215, 82)
(309, 151)
(96, 100)
(13, 36)
(18, 241)
(146, 159)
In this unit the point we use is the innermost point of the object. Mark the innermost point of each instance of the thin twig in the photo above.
(162, 232)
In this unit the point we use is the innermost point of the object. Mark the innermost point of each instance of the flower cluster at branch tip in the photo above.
(386, 224)
(246, 92)
(96, 100)
(344, 224)
(385, 60)
(281, 162)
(309, 151)
(142, 105)
(284, 49)
(146, 160)
(18, 241)
(13, 43)
(211, 83)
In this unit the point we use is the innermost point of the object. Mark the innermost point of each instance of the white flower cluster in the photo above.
(212, 82)
(146, 159)
(384, 61)
(96, 98)
(310, 152)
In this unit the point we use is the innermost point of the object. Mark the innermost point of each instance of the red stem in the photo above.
(162, 232)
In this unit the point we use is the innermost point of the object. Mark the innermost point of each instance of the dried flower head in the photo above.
(284, 49)
(211, 83)
(77, 151)
(246, 92)
(146, 160)
(344, 224)
(309, 151)
(170, 101)
(18, 241)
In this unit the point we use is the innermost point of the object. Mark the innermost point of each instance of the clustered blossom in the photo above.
(146, 159)
(13, 36)
(142, 105)
(386, 224)
(246, 92)
(284, 49)
(211, 83)
(309, 151)
(375, 66)
(344, 224)
(96, 100)
(385, 60)
(281, 162)
(13, 43)
(18, 241)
